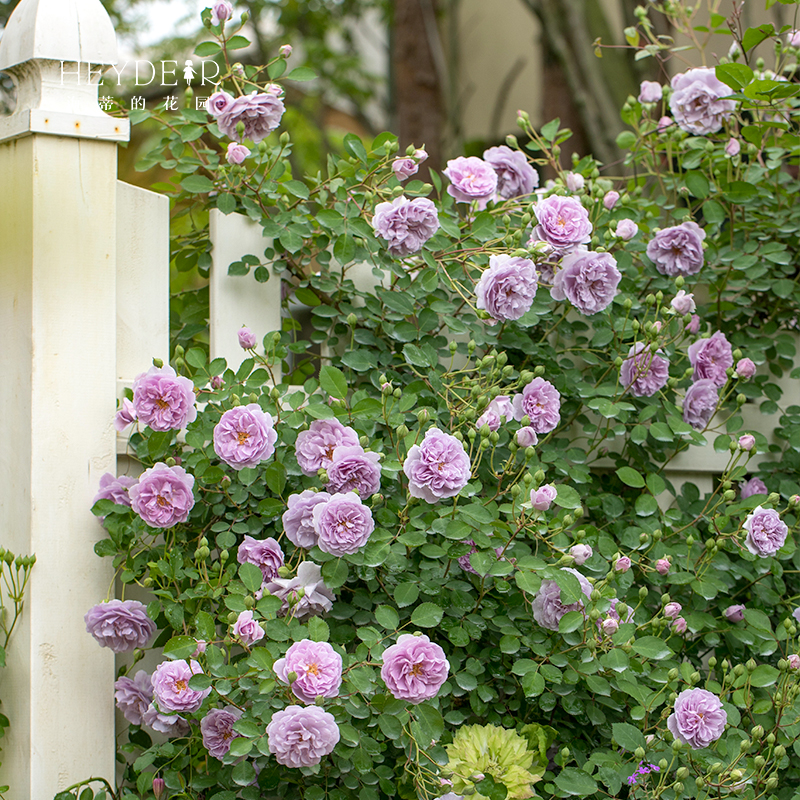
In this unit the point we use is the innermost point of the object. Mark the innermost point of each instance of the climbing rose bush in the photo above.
(435, 540)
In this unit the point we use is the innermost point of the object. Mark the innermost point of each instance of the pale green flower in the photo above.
(488, 750)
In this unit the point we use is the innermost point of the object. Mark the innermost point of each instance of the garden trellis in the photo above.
(85, 308)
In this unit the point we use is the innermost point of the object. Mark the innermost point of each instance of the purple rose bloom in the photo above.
(120, 625)
(526, 437)
(318, 668)
(236, 154)
(735, 613)
(245, 436)
(515, 176)
(563, 223)
(260, 112)
(464, 562)
(134, 696)
(766, 532)
(343, 524)
(547, 607)
(609, 626)
(732, 148)
(698, 719)
(540, 401)
(247, 629)
(499, 409)
(679, 625)
(700, 403)
(610, 199)
(650, 92)
(794, 661)
(171, 686)
(542, 498)
(404, 168)
(711, 358)
(438, 468)
(471, 179)
(753, 486)
(298, 520)
(745, 368)
(285, 50)
(796, 613)
(684, 303)
(247, 339)
(217, 730)
(301, 736)
(696, 101)
(643, 371)
(353, 469)
(168, 724)
(314, 447)
(694, 324)
(316, 597)
(622, 564)
(220, 11)
(507, 288)
(678, 250)
(163, 496)
(626, 229)
(747, 441)
(588, 280)
(581, 553)
(218, 102)
(672, 610)
(115, 489)
(575, 181)
(125, 416)
(414, 669)
(163, 400)
(266, 554)
(406, 224)
(662, 566)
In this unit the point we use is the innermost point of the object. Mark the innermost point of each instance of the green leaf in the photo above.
(628, 736)
(754, 36)
(697, 184)
(205, 49)
(405, 594)
(784, 288)
(739, 192)
(415, 356)
(200, 682)
(307, 297)
(630, 477)
(549, 130)
(297, 188)
(567, 497)
(427, 615)
(226, 203)
(237, 42)
(430, 722)
(661, 432)
(626, 140)
(653, 648)
(180, 646)
(576, 782)
(344, 250)
(318, 630)
(197, 184)
(737, 76)
(764, 676)
(241, 747)
(333, 381)
(387, 617)
(251, 576)
(355, 147)
(301, 74)
(713, 212)
(571, 621)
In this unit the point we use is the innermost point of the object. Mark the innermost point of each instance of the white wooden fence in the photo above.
(84, 274)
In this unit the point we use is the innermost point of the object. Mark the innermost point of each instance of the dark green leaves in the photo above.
(333, 381)
(737, 76)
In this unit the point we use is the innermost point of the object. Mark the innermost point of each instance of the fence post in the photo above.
(58, 159)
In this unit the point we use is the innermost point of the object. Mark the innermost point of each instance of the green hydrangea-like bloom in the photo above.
(481, 750)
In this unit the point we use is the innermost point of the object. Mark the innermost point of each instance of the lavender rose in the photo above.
(526, 437)
(672, 610)
(259, 112)
(301, 736)
(766, 532)
(414, 669)
(318, 668)
(588, 280)
(732, 148)
(796, 613)
(610, 199)
(745, 368)
(134, 696)
(663, 566)
(711, 358)
(542, 498)
(747, 441)
(700, 403)
(353, 469)
(581, 553)
(499, 409)
(316, 597)
(696, 102)
(218, 102)
(438, 468)
(698, 719)
(343, 524)
(575, 181)
(163, 400)
(515, 176)
(471, 179)
(298, 520)
(540, 401)
(678, 250)
(247, 629)
(245, 436)
(163, 496)
(169, 724)
(622, 564)
(220, 11)
(683, 303)
(217, 730)
(753, 486)
(120, 625)
(626, 229)
(266, 554)
(314, 447)
(115, 489)
(404, 168)
(507, 288)
(125, 416)
(650, 92)
(563, 223)
(735, 613)
(171, 686)
(406, 224)
(643, 371)
(247, 339)
(236, 154)
(547, 607)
